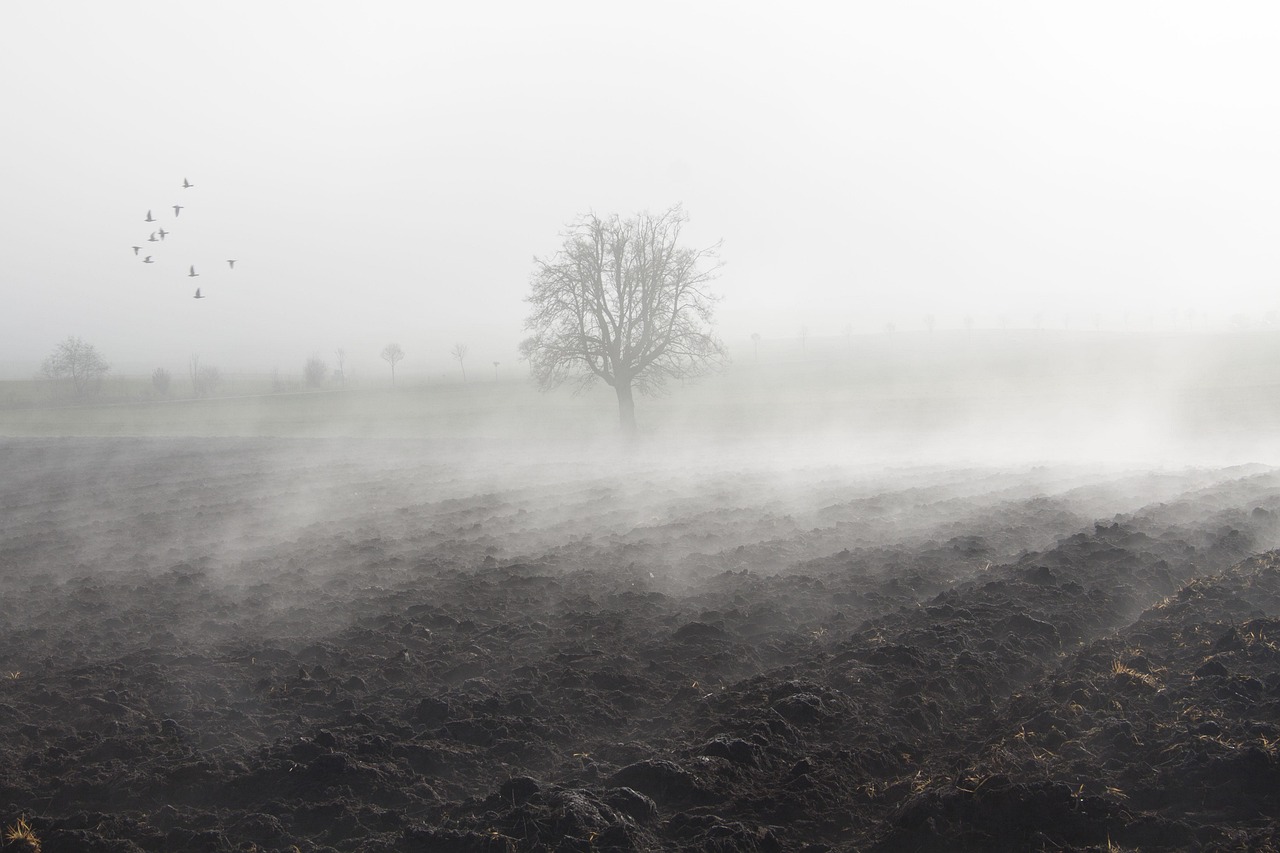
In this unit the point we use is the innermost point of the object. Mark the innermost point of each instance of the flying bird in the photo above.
(187, 184)
(147, 260)
(231, 264)
(136, 249)
(193, 272)
(163, 233)
(152, 238)
(148, 219)
(198, 296)
(177, 209)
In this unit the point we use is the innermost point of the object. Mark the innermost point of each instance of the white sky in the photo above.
(386, 171)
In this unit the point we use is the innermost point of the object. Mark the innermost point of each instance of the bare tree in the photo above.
(495, 370)
(622, 301)
(210, 378)
(459, 352)
(755, 347)
(341, 355)
(78, 361)
(193, 372)
(205, 378)
(315, 371)
(391, 354)
(160, 381)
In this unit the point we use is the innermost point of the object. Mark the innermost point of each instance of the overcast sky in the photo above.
(386, 171)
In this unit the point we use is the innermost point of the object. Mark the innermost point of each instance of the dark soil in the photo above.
(274, 645)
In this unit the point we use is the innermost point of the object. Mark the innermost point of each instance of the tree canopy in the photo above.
(623, 302)
(78, 361)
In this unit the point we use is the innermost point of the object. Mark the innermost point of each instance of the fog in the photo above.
(386, 175)
(966, 532)
(973, 257)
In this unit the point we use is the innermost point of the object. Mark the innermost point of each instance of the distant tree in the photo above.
(495, 370)
(459, 352)
(210, 378)
(77, 361)
(193, 372)
(205, 378)
(930, 321)
(314, 372)
(160, 381)
(804, 338)
(755, 346)
(622, 301)
(341, 355)
(391, 354)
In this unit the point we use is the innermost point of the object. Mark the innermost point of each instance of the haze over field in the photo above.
(386, 173)
(951, 525)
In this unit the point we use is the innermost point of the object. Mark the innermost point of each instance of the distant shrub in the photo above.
(205, 380)
(314, 372)
(160, 381)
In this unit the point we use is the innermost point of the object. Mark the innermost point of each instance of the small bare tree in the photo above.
(341, 355)
(459, 352)
(205, 378)
(78, 361)
(193, 372)
(391, 354)
(160, 381)
(210, 378)
(314, 372)
(495, 370)
(622, 301)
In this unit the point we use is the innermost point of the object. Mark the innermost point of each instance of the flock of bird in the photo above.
(159, 235)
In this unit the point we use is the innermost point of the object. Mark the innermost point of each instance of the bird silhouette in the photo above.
(147, 260)
(187, 184)
(163, 233)
(136, 249)
(198, 296)
(177, 209)
(152, 238)
(231, 264)
(148, 219)
(193, 272)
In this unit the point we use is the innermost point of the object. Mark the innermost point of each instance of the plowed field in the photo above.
(276, 644)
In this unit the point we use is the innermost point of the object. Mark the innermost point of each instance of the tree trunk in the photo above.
(626, 409)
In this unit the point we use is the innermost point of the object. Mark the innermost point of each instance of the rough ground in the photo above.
(274, 645)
